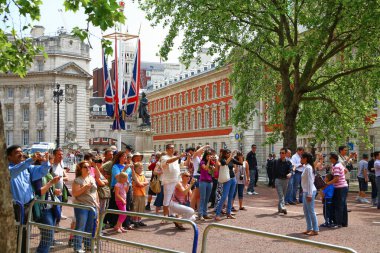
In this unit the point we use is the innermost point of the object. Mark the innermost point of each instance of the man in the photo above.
(269, 168)
(377, 174)
(281, 170)
(289, 190)
(57, 169)
(372, 179)
(107, 163)
(22, 174)
(346, 161)
(363, 179)
(298, 166)
(252, 163)
(170, 176)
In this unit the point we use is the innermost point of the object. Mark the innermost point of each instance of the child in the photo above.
(139, 184)
(121, 189)
(327, 194)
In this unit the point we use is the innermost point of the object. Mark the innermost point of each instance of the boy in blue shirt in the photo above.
(327, 194)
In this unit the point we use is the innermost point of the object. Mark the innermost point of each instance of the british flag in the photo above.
(119, 99)
(134, 88)
(109, 88)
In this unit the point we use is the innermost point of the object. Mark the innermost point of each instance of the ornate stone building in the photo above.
(28, 108)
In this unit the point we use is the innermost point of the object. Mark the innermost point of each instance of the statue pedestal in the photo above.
(144, 145)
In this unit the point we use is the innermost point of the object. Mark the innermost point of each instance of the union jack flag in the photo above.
(134, 88)
(109, 88)
(119, 100)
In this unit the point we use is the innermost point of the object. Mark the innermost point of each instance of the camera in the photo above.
(241, 177)
(98, 161)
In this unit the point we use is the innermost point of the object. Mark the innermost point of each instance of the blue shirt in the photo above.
(116, 169)
(329, 191)
(129, 172)
(22, 175)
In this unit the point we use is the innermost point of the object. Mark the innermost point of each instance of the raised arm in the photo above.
(18, 168)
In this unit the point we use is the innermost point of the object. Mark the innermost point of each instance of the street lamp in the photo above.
(57, 98)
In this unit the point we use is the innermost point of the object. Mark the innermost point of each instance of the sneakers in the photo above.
(250, 193)
(255, 193)
(63, 217)
(147, 208)
(142, 224)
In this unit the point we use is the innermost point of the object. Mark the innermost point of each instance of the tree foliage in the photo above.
(17, 51)
(314, 63)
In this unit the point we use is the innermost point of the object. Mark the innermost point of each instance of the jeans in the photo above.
(296, 187)
(85, 221)
(308, 210)
(252, 176)
(228, 191)
(328, 211)
(281, 185)
(378, 191)
(289, 191)
(340, 206)
(213, 191)
(372, 179)
(239, 191)
(47, 235)
(205, 192)
(128, 220)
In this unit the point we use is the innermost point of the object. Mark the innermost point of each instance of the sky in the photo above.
(151, 38)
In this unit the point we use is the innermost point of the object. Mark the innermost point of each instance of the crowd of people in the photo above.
(191, 185)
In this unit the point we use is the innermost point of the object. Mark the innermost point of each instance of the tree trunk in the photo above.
(290, 133)
(8, 239)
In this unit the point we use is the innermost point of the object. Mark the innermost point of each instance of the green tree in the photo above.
(16, 55)
(314, 63)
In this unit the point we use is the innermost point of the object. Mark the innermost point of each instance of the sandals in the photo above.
(217, 218)
(229, 216)
(243, 208)
(179, 226)
(233, 209)
(312, 233)
(307, 232)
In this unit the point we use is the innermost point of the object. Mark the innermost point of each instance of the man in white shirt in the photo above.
(377, 174)
(170, 176)
(298, 166)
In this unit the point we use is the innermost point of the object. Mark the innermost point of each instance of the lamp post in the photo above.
(57, 98)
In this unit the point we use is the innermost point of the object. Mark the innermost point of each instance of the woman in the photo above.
(85, 192)
(309, 192)
(226, 158)
(319, 165)
(158, 203)
(242, 176)
(340, 192)
(101, 182)
(180, 202)
(207, 166)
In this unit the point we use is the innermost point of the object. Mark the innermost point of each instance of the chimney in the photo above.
(37, 31)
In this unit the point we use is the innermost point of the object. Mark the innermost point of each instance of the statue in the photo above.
(143, 110)
(70, 133)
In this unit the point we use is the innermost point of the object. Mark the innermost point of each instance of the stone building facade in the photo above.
(30, 115)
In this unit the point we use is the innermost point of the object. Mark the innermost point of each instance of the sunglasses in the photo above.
(186, 176)
(85, 167)
(282, 152)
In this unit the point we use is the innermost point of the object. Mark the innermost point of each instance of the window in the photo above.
(223, 116)
(180, 125)
(192, 123)
(10, 92)
(25, 137)
(164, 125)
(26, 92)
(103, 108)
(199, 120)
(159, 106)
(214, 91)
(207, 92)
(180, 100)
(95, 108)
(187, 98)
(40, 92)
(186, 122)
(174, 124)
(206, 120)
(40, 65)
(40, 135)
(25, 113)
(223, 88)
(193, 97)
(169, 124)
(148, 73)
(40, 114)
(199, 95)
(223, 144)
(9, 137)
(10, 114)
(230, 112)
(215, 145)
(214, 119)
(165, 104)
(127, 70)
(174, 102)
(170, 103)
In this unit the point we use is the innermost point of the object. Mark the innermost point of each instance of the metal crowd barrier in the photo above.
(272, 236)
(100, 237)
(19, 224)
(32, 223)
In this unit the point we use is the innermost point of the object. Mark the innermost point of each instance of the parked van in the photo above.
(42, 147)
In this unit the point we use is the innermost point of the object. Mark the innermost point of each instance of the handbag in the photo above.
(319, 183)
(65, 193)
(155, 184)
(224, 174)
(55, 208)
(104, 192)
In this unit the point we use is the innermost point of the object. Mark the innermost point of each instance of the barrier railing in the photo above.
(19, 223)
(31, 223)
(140, 245)
(272, 236)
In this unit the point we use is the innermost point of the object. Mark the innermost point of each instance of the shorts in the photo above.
(168, 193)
(196, 184)
(160, 198)
(150, 192)
(363, 185)
(139, 204)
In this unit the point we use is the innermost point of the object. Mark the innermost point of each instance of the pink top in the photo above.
(121, 190)
(205, 176)
(338, 170)
(179, 196)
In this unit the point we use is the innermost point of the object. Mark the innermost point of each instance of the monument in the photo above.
(144, 134)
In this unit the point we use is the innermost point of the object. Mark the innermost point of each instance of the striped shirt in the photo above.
(338, 170)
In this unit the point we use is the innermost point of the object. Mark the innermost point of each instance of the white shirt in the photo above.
(57, 170)
(196, 161)
(377, 168)
(296, 161)
(307, 180)
(170, 171)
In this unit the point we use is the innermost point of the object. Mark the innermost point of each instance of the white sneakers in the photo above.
(252, 193)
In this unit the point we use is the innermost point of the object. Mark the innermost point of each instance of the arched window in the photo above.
(223, 88)
(207, 119)
(193, 97)
(174, 101)
(199, 94)
(207, 93)
(187, 98)
(214, 119)
(180, 100)
(223, 117)
(214, 91)
(199, 120)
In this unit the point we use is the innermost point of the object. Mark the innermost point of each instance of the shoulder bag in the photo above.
(155, 184)
(224, 174)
